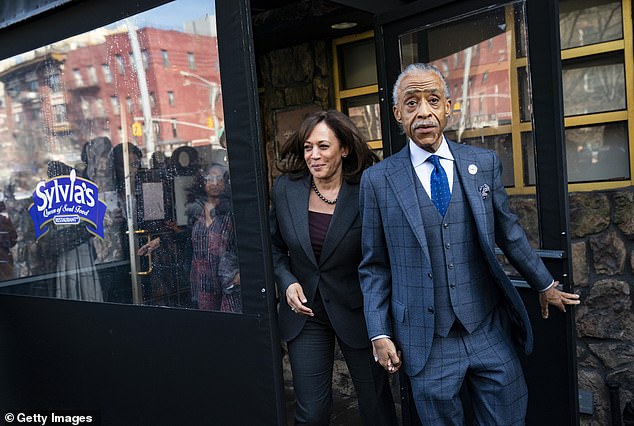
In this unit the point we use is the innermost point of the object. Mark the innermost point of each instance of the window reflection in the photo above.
(528, 159)
(598, 153)
(582, 23)
(358, 64)
(524, 92)
(148, 86)
(502, 145)
(364, 112)
(595, 84)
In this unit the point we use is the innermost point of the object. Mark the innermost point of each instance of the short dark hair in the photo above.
(117, 153)
(359, 155)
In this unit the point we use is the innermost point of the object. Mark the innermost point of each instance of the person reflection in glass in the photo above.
(8, 239)
(215, 274)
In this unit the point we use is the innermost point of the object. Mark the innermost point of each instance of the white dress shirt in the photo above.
(423, 168)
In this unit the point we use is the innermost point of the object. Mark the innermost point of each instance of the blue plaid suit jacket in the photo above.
(395, 271)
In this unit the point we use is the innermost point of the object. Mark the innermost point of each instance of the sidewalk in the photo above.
(344, 409)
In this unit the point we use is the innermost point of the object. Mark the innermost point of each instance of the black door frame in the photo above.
(150, 365)
(550, 371)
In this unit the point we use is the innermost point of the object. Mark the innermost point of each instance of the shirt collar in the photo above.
(418, 155)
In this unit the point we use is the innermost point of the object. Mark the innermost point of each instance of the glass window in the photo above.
(170, 98)
(174, 128)
(79, 81)
(358, 64)
(165, 170)
(130, 104)
(60, 113)
(114, 103)
(132, 61)
(528, 159)
(586, 22)
(166, 62)
(107, 75)
(364, 112)
(55, 82)
(598, 153)
(526, 106)
(120, 64)
(594, 84)
(85, 108)
(191, 61)
(145, 59)
(100, 110)
(92, 74)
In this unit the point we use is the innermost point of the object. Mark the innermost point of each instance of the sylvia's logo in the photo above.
(67, 200)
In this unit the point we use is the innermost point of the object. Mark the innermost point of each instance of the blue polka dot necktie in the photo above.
(440, 194)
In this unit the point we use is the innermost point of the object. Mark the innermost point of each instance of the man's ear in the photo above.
(397, 113)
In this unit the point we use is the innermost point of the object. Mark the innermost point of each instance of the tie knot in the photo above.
(435, 160)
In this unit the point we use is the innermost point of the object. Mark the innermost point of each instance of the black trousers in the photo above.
(311, 356)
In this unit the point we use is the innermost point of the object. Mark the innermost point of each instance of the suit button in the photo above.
(452, 286)
(450, 266)
(429, 274)
(430, 309)
(447, 245)
(445, 225)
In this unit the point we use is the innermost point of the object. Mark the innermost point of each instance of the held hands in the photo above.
(385, 353)
(558, 298)
(296, 299)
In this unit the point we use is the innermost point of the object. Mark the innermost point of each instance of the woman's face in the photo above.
(323, 153)
(214, 182)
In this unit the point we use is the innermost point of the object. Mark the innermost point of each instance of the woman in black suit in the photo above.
(316, 235)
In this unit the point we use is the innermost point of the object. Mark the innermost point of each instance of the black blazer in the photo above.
(336, 273)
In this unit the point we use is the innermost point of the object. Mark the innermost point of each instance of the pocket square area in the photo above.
(484, 191)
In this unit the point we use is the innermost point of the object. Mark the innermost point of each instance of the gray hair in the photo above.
(418, 67)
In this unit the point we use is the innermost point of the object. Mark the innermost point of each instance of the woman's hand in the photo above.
(296, 299)
(149, 247)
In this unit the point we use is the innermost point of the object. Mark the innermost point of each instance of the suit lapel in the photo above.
(467, 169)
(297, 199)
(346, 211)
(400, 177)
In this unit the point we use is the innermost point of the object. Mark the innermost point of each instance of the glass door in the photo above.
(499, 59)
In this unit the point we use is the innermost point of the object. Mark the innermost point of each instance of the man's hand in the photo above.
(385, 353)
(558, 298)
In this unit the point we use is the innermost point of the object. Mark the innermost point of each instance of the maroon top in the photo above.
(318, 227)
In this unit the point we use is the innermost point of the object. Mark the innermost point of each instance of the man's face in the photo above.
(422, 108)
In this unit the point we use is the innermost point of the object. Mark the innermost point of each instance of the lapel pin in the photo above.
(484, 191)
(473, 169)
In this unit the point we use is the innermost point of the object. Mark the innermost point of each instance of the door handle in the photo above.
(142, 233)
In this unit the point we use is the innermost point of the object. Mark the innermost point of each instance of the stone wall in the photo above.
(292, 78)
(602, 232)
(602, 228)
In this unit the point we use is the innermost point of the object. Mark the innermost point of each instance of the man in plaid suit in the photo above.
(436, 300)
